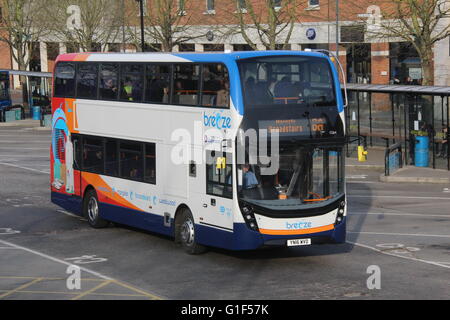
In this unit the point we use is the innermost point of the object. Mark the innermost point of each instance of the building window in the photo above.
(181, 7)
(144, 5)
(210, 7)
(313, 3)
(242, 6)
(276, 4)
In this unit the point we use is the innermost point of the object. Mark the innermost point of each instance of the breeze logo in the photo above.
(217, 121)
(298, 225)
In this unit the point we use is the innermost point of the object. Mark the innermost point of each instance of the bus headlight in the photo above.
(249, 216)
(340, 213)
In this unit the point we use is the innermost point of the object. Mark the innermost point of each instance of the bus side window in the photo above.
(108, 81)
(216, 86)
(131, 164)
(157, 83)
(111, 158)
(87, 81)
(65, 80)
(186, 84)
(76, 142)
(150, 163)
(131, 82)
(219, 181)
(93, 155)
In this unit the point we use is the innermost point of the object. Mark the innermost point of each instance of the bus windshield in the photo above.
(308, 176)
(278, 80)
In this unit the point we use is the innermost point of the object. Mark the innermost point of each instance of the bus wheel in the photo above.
(185, 233)
(91, 210)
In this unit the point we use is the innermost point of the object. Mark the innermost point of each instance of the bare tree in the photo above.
(420, 22)
(22, 24)
(272, 22)
(90, 24)
(167, 24)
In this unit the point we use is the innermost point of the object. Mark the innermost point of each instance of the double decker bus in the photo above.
(166, 143)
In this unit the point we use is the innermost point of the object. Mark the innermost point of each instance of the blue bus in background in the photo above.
(5, 98)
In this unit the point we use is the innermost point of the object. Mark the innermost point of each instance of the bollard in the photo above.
(362, 154)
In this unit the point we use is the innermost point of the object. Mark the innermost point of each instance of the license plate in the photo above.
(298, 242)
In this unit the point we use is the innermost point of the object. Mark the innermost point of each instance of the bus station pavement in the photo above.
(407, 174)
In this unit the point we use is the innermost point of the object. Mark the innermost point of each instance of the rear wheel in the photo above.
(185, 233)
(91, 210)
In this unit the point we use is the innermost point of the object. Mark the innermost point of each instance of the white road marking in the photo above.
(24, 168)
(398, 214)
(22, 148)
(71, 215)
(399, 197)
(6, 231)
(24, 156)
(357, 176)
(365, 182)
(439, 264)
(401, 234)
(45, 256)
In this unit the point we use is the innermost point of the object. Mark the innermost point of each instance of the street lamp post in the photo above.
(337, 29)
(141, 12)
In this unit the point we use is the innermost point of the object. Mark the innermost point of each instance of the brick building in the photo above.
(366, 60)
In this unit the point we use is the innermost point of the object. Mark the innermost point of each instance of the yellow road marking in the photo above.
(101, 285)
(26, 285)
(140, 293)
(152, 296)
(77, 293)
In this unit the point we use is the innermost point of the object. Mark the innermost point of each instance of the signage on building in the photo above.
(311, 33)
(415, 73)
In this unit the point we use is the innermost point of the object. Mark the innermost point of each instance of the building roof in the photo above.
(28, 73)
(421, 90)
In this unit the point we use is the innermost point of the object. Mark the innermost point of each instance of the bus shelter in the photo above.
(384, 115)
(32, 97)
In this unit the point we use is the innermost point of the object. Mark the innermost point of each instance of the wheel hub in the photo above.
(187, 232)
(92, 209)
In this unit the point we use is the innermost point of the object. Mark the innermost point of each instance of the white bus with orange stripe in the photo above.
(163, 142)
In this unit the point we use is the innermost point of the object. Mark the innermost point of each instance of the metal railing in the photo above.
(393, 158)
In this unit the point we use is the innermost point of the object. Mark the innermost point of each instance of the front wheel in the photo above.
(185, 233)
(91, 210)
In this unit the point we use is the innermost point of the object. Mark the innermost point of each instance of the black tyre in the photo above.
(185, 233)
(91, 210)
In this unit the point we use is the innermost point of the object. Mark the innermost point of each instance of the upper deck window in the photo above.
(65, 80)
(87, 81)
(216, 86)
(131, 82)
(157, 83)
(108, 81)
(307, 81)
(186, 89)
